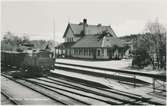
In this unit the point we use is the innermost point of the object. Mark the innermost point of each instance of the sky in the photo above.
(36, 18)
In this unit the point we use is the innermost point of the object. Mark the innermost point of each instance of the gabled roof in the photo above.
(115, 41)
(88, 41)
(90, 29)
(91, 41)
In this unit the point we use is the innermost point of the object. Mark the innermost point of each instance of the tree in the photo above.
(103, 34)
(158, 38)
(12, 42)
(153, 43)
(141, 58)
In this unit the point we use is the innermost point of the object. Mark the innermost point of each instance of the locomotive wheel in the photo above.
(46, 73)
(34, 72)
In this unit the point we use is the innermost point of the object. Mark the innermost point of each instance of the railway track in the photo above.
(71, 91)
(64, 97)
(127, 79)
(80, 93)
(97, 92)
(85, 81)
(9, 99)
(103, 70)
(123, 76)
(132, 96)
(36, 90)
(77, 84)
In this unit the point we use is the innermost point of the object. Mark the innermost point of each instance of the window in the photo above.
(84, 51)
(74, 51)
(90, 50)
(102, 50)
(98, 52)
(80, 51)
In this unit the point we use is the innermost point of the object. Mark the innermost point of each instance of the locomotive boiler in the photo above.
(34, 63)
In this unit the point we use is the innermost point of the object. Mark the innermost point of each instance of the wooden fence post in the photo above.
(134, 80)
(153, 84)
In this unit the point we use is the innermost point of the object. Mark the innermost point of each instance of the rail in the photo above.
(155, 77)
(10, 98)
(10, 78)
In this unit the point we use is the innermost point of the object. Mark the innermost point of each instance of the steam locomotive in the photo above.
(28, 64)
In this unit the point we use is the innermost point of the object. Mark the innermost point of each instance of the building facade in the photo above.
(90, 42)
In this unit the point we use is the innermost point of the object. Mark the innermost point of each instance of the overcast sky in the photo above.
(36, 17)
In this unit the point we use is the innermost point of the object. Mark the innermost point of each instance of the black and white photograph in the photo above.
(83, 52)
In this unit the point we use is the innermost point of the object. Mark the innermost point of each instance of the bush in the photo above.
(140, 58)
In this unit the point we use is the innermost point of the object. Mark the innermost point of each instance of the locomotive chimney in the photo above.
(84, 26)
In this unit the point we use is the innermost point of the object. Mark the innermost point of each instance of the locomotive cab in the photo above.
(45, 60)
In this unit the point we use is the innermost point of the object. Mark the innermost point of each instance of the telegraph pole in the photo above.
(54, 30)
(54, 44)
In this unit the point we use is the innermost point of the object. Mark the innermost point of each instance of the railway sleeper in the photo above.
(112, 96)
(15, 102)
(104, 75)
(23, 84)
(61, 97)
(97, 94)
(111, 90)
(84, 82)
(64, 92)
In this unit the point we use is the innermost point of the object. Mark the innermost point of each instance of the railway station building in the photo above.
(90, 42)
